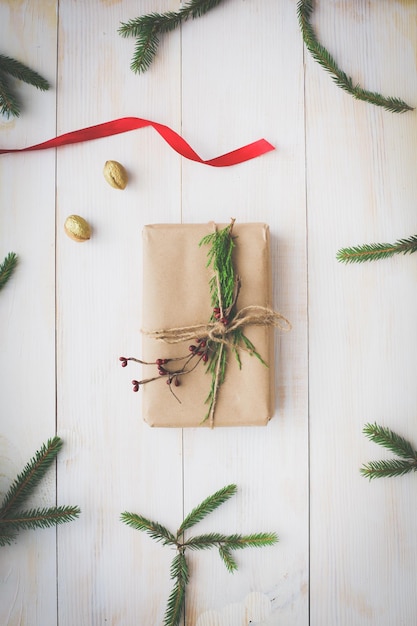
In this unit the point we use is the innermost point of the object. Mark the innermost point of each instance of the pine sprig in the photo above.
(206, 507)
(377, 251)
(9, 67)
(7, 268)
(387, 438)
(40, 518)
(224, 289)
(12, 519)
(147, 28)
(29, 478)
(154, 529)
(179, 568)
(219, 257)
(325, 59)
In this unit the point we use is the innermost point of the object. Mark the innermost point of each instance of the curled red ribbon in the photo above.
(125, 124)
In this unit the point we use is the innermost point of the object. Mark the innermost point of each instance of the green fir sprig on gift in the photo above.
(148, 28)
(376, 251)
(325, 59)
(225, 544)
(12, 517)
(13, 69)
(224, 290)
(7, 268)
(407, 455)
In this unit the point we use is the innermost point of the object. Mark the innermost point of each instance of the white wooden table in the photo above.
(343, 173)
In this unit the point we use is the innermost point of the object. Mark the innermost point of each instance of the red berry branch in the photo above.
(166, 367)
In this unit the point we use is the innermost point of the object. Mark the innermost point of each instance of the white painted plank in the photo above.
(107, 571)
(361, 189)
(27, 309)
(243, 80)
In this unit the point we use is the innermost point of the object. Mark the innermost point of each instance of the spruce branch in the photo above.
(12, 518)
(147, 28)
(225, 544)
(206, 507)
(224, 290)
(154, 529)
(387, 438)
(7, 268)
(9, 67)
(325, 59)
(376, 251)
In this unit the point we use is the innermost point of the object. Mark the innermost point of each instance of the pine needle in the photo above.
(387, 468)
(325, 59)
(175, 604)
(377, 251)
(147, 28)
(7, 268)
(32, 474)
(208, 505)
(395, 443)
(15, 69)
(12, 519)
(154, 529)
(385, 437)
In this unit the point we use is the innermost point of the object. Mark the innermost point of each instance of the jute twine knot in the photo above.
(218, 332)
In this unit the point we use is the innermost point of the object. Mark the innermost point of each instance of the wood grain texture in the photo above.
(27, 310)
(342, 174)
(361, 329)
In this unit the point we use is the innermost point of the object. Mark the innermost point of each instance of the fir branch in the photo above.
(227, 558)
(176, 599)
(326, 60)
(395, 443)
(387, 468)
(11, 67)
(11, 519)
(224, 543)
(147, 28)
(385, 437)
(40, 518)
(232, 542)
(219, 257)
(9, 104)
(154, 529)
(377, 251)
(31, 475)
(206, 507)
(7, 268)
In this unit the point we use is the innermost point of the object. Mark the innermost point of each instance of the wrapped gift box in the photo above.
(176, 294)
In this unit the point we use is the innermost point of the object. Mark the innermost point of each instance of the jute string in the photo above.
(253, 315)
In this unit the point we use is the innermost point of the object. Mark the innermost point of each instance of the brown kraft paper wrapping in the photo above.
(175, 294)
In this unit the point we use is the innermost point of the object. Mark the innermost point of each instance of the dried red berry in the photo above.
(205, 357)
(192, 348)
(203, 343)
(135, 384)
(224, 321)
(177, 381)
(162, 371)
